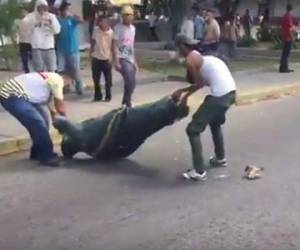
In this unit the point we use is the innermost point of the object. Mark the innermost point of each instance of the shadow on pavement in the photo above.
(135, 174)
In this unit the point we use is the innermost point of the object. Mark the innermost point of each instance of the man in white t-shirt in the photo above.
(212, 72)
(125, 63)
(187, 27)
(153, 21)
(23, 97)
(43, 27)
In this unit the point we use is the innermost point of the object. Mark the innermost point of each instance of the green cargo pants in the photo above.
(212, 112)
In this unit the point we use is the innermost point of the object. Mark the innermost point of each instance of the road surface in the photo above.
(142, 203)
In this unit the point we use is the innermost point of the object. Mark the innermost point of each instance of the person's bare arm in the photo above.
(113, 51)
(193, 66)
(59, 106)
(93, 44)
(79, 19)
(114, 55)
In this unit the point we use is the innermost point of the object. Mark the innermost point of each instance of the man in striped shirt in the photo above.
(23, 97)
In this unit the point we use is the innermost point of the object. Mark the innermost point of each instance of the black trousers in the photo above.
(99, 67)
(154, 34)
(286, 51)
(25, 53)
(212, 112)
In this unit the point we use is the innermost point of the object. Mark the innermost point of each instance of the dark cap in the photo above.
(182, 39)
(65, 4)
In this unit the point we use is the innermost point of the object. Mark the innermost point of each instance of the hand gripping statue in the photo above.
(120, 132)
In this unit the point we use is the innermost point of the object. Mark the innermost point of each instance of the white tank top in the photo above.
(217, 76)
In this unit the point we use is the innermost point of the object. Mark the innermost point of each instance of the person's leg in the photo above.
(218, 140)
(107, 70)
(96, 74)
(30, 118)
(201, 118)
(221, 105)
(155, 34)
(37, 60)
(284, 57)
(74, 66)
(232, 49)
(128, 72)
(61, 66)
(289, 48)
(43, 114)
(34, 152)
(49, 57)
(24, 56)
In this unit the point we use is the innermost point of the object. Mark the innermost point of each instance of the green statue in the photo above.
(120, 132)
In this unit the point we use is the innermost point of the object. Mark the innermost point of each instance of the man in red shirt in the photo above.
(287, 29)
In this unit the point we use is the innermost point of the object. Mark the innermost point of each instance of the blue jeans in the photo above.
(128, 72)
(35, 120)
(70, 63)
(44, 60)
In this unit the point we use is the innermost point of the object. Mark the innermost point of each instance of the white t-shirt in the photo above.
(188, 28)
(152, 20)
(124, 36)
(217, 76)
(42, 30)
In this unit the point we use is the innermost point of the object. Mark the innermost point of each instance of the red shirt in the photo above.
(286, 26)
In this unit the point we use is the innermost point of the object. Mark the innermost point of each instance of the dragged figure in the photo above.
(120, 132)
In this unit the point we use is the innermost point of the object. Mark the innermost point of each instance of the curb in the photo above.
(22, 143)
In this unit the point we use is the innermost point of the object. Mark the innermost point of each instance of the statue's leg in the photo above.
(65, 127)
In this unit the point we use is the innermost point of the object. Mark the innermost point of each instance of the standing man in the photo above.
(287, 30)
(230, 36)
(153, 20)
(187, 27)
(68, 45)
(125, 63)
(23, 96)
(199, 23)
(24, 40)
(44, 26)
(212, 72)
(247, 23)
(102, 51)
(212, 33)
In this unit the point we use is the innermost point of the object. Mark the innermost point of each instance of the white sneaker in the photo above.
(192, 174)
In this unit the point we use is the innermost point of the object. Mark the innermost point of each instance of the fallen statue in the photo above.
(120, 132)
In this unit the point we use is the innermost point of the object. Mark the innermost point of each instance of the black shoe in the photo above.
(33, 157)
(217, 163)
(108, 98)
(52, 162)
(286, 71)
(98, 98)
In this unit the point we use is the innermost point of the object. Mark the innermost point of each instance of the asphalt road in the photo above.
(142, 203)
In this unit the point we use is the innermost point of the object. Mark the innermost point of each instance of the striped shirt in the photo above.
(39, 88)
(12, 88)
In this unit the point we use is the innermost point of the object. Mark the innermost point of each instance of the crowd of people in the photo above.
(51, 42)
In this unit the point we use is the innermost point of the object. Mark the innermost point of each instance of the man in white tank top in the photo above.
(212, 72)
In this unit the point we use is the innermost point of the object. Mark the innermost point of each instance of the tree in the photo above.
(227, 7)
(9, 12)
